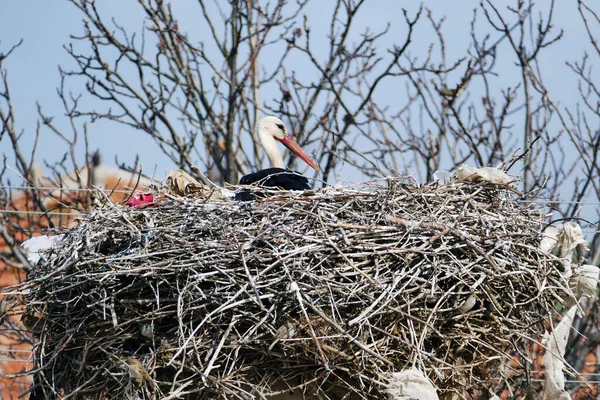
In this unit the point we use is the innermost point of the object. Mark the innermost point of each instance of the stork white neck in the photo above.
(269, 144)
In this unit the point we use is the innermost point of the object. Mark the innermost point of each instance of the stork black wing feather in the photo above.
(276, 178)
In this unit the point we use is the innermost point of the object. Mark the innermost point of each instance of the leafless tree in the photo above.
(199, 98)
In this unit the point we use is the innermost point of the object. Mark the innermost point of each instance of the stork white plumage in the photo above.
(271, 130)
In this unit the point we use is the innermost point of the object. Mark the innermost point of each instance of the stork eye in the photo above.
(280, 126)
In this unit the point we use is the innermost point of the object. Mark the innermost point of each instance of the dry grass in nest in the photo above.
(328, 292)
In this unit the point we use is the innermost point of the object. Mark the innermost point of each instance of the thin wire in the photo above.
(531, 379)
(25, 212)
(66, 189)
(40, 212)
(14, 351)
(26, 360)
(566, 381)
(35, 212)
(544, 201)
(63, 189)
(582, 373)
(579, 382)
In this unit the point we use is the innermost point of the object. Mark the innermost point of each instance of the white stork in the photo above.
(271, 130)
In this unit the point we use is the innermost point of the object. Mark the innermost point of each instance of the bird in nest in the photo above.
(270, 131)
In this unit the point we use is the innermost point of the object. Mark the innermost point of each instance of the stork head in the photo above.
(272, 129)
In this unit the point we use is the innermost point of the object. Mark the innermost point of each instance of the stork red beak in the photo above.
(289, 142)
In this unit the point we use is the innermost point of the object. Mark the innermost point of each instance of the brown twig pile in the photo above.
(327, 293)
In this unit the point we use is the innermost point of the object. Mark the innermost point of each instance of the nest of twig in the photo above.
(326, 293)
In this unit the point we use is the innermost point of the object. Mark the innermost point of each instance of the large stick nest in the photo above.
(328, 293)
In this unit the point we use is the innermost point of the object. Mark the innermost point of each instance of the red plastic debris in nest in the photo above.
(140, 200)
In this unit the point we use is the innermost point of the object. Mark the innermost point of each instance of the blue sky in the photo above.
(46, 26)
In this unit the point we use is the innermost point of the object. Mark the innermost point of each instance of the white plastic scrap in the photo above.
(39, 243)
(469, 303)
(147, 330)
(488, 174)
(550, 240)
(567, 237)
(228, 194)
(553, 361)
(572, 238)
(442, 177)
(585, 281)
(410, 384)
